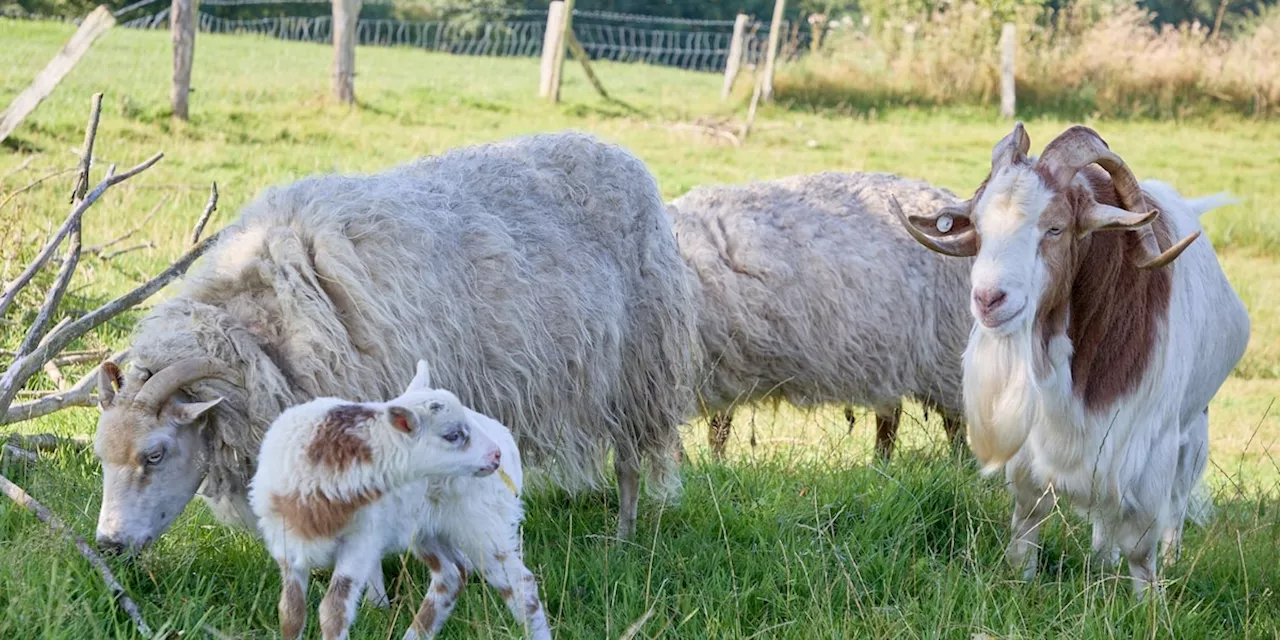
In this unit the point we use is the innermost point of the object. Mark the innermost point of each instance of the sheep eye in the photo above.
(154, 457)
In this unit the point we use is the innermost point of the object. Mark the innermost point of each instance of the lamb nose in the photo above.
(989, 299)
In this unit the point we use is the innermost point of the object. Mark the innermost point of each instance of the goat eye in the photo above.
(155, 457)
(435, 407)
(1054, 231)
(453, 437)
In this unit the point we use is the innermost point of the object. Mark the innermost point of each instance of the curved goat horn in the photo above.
(1079, 147)
(169, 380)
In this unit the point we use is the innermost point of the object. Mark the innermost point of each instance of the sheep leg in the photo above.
(519, 589)
(954, 427)
(851, 418)
(447, 580)
(628, 494)
(1105, 550)
(718, 430)
(1031, 507)
(293, 600)
(338, 609)
(376, 593)
(887, 419)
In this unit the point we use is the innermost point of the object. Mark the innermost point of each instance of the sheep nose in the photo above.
(109, 545)
(989, 299)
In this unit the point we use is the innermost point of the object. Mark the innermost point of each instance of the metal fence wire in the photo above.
(696, 45)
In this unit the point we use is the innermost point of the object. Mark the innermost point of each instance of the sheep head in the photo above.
(152, 447)
(1030, 222)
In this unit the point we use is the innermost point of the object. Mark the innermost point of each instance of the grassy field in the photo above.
(798, 536)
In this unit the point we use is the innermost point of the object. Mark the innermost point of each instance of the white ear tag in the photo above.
(944, 224)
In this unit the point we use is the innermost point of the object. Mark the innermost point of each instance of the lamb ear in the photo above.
(188, 412)
(421, 378)
(402, 419)
(109, 382)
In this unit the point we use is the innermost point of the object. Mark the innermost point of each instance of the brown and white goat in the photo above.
(1089, 371)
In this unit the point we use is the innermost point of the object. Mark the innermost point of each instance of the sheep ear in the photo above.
(188, 412)
(109, 382)
(402, 419)
(421, 379)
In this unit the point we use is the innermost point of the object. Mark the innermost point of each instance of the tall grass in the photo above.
(1106, 61)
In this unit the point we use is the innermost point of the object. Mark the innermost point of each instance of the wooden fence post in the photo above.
(1008, 48)
(182, 20)
(346, 13)
(736, 47)
(93, 26)
(771, 56)
(552, 42)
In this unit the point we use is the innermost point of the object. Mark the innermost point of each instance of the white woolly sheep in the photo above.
(342, 484)
(539, 276)
(809, 292)
(1090, 370)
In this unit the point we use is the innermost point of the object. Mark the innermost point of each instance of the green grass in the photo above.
(798, 536)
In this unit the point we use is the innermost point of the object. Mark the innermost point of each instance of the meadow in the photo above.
(799, 534)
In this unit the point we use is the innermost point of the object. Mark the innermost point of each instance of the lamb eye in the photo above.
(154, 457)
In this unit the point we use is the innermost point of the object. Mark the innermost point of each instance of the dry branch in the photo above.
(581, 55)
(18, 495)
(98, 249)
(34, 183)
(10, 452)
(93, 26)
(38, 348)
(209, 208)
(45, 441)
(72, 221)
(79, 395)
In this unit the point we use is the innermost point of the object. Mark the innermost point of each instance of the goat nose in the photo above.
(989, 299)
(109, 546)
(495, 458)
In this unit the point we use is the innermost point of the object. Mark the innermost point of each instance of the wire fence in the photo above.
(697, 45)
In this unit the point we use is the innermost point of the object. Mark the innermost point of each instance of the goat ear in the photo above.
(109, 382)
(1012, 149)
(188, 412)
(402, 419)
(948, 231)
(1102, 217)
(421, 378)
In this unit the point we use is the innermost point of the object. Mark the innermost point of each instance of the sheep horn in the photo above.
(159, 387)
(1079, 147)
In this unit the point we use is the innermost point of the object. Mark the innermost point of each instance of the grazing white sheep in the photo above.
(342, 484)
(1090, 370)
(809, 292)
(539, 276)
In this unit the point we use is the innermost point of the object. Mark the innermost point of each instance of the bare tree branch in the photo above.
(55, 374)
(22, 369)
(18, 169)
(208, 211)
(45, 441)
(72, 221)
(86, 155)
(54, 297)
(79, 395)
(10, 452)
(97, 250)
(18, 495)
(34, 183)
